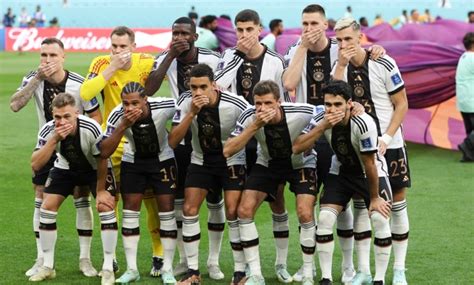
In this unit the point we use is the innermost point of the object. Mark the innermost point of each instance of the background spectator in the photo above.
(378, 20)
(414, 16)
(470, 17)
(54, 23)
(363, 22)
(39, 17)
(193, 15)
(24, 18)
(207, 38)
(276, 29)
(348, 13)
(9, 18)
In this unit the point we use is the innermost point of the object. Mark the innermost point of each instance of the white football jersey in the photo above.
(45, 93)
(373, 83)
(275, 140)
(76, 152)
(147, 138)
(212, 127)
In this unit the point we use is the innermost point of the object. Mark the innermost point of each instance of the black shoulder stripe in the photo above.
(290, 47)
(246, 114)
(274, 54)
(183, 96)
(387, 62)
(384, 63)
(116, 116)
(162, 107)
(361, 124)
(233, 63)
(232, 99)
(298, 108)
(46, 130)
(319, 116)
(208, 52)
(31, 74)
(298, 112)
(90, 129)
(76, 75)
(95, 130)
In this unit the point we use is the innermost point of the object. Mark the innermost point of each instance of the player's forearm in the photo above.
(371, 173)
(306, 141)
(235, 144)
(21, 98)
(41, 156)
(96, 115)
(91, 87)
(178, 132)
(101, 173)
(155, 79)
(292, 75)
(400, 104)
(339, 72)
(110, 144)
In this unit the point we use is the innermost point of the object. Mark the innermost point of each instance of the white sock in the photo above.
(168, 233)
(281, 234)
(308, 246)
(84, 225)
(325, 240)
(191, 238)
(400, 229)
(131, 236)
(48, 235)
(236, 245)
(362, 236)
(215, 226)
(345, 234)
(178, 211)
(36, 223)
(382, 244)
(108, 234)
(249, 240)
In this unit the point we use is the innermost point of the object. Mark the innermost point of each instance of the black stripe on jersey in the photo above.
(31, 74)
(247, 113)
(93, 109)
(377, 156)
(396, 90)
(183, 96)
(387, 64)
(46, 130)
(162, 106)
(233, 63)
(386, 61)
(305, 109)
(116, 116)
(319, 116)
(292, 46)
(274, 54)
(297, 112)
(232, 99)
(76, 77)
(90, 126)
(208, 52)
(360, 124)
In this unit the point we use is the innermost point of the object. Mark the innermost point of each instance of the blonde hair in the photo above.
(63, 99)
(347, 22)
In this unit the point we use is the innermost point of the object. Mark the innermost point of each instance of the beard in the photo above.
(186, 52)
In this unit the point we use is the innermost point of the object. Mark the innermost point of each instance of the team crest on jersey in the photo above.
(41, 142)
(238, 130)
(110, 130)
(177, 115)
(220, 65)
(396, 79)
(366, 143)
(24, 83)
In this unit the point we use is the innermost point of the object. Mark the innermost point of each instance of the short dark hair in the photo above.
(338, 88)
(224, 16)
(133, 87)
(274, 24)
(247, 15)
(413, 11)
(470, 13)
(206, 20)
(314, 8)
(468, 40)
(122, 31)
(62, 100)
(265, 87)
(50, 41)
(202, 70)
(186, 20)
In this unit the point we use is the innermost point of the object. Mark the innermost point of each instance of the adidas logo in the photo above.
(114, 84)
(318, 63)
(173, 186)
(405, 178)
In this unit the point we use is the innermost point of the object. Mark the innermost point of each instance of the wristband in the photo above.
(387, 139)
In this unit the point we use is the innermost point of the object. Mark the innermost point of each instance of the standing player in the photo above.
(44, 84)
(176, 63)
(378, 85)
(74, 137)
(148, 162)
(356, 169)
(310, 62)
(275, 125)
(239, 70)
(211, 115)
(107, 75)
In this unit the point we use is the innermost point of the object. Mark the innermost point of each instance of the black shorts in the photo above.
(63, 181)
(214, 179)
(148, 173)
(182, 154)
(324, 158)
(264, 179)
(398, 168)
(110, 183)
(251, 154)
(339, 189)
(40, 176)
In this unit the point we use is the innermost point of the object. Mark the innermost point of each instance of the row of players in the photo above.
(376, 84)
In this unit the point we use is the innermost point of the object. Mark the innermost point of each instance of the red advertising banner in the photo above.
(83, 40)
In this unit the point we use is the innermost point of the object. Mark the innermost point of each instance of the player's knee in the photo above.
(278, 206)
(327, 219)
(190, 209)
(399, 194)
(305, 213)
(379, 221)
(231, 212)
(245, 211)
(101, 208)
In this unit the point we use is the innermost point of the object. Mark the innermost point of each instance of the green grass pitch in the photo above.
(441, 204)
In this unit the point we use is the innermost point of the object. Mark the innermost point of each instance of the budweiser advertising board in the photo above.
(83, 40)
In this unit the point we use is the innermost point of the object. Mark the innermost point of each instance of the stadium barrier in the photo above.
(83, 40)
(2, 39)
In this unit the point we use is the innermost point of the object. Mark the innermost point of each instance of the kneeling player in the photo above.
(147, 162)
(74, 137)
(275, 125)
(356, 169)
